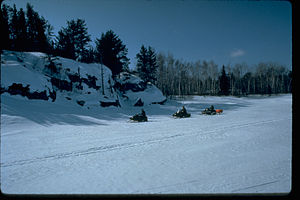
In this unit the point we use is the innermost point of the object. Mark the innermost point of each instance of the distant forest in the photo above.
(28, 31)
(175, 77)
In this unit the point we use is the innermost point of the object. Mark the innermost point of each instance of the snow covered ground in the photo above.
(55, 148)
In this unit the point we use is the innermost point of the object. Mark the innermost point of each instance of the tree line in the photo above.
(28, 31)
(176, 77)
(24, 30)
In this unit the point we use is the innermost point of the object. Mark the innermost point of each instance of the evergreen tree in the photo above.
(146, 64)
(112, 52)
(73, 39)
(89, 55)
(64, 46)
(224, 82)
(4, 26)
(31, 22)
(152, 65)
(142, 63)
(50, 38)
(21, 32)
(42, 41)
(13, 26)
(36, 31)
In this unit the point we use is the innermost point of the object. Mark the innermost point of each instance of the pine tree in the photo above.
(13, 26)
(73, 39)
(146, 64)
(112, 52)
(18, 30)
(152, 65)
(224, 82)
(64, 46)
(21, 32)
(88, 56)
(142, 63)
(4, 26)
(36, 31)
(50, 38)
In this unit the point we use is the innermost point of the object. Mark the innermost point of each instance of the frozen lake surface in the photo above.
(56, 148)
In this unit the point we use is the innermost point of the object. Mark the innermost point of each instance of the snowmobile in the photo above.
(141, 117)
(209, 111)
(181, 113)
(219, 111)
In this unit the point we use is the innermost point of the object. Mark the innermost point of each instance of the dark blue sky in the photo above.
(226, 32)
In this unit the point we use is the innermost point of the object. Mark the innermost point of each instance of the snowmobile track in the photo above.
(135, 144)
(254, 186)
(88, 151)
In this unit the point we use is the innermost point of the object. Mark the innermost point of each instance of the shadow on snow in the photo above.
(46, 113)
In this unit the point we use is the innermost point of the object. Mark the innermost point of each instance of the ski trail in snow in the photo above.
(239, 125)
(164, 188)
(119, 146)
(254, 186)
(88, 151)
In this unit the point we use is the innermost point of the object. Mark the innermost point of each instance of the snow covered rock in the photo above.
(38, 76)
(137, 92)
(35, 75)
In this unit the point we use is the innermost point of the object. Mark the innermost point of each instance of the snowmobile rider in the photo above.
(183, 110)
(143, 113)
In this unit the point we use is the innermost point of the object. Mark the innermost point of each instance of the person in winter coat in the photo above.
(143, 113)
(183, 110)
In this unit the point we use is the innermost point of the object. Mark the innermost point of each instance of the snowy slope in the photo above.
(52, 148)
(34, 75)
